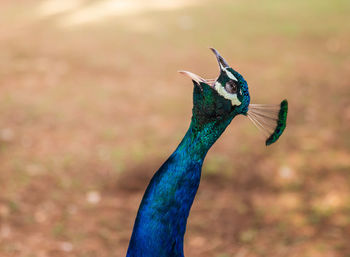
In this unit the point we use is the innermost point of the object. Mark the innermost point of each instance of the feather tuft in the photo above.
(270, 119)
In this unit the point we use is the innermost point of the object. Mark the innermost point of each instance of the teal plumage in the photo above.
(161, 220)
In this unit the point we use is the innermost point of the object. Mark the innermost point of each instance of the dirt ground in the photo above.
(91, 105)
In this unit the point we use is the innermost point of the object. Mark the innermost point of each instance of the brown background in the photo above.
(91, 105)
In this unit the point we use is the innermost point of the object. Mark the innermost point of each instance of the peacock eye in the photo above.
(231, 87)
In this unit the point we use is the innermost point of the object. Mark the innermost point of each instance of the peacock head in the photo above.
(217, 101)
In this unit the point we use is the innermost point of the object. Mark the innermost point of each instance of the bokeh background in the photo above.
(91, 105)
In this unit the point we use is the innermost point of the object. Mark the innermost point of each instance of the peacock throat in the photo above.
(161, 220)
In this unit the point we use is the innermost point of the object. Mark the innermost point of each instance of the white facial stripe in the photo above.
(230, 75)
(221, 90)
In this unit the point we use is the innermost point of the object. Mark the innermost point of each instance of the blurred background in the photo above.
(91, 105)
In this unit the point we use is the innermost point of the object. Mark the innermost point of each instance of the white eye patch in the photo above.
(230, 75)
(232, 97)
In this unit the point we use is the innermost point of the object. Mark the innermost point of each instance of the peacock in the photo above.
(161, 220)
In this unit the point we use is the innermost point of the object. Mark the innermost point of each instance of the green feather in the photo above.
(281, 123)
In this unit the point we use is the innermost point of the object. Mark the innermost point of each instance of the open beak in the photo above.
(198, 79)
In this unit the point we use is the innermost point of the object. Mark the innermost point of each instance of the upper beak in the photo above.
(222, 63)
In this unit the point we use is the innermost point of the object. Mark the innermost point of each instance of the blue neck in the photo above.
(161, 220)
